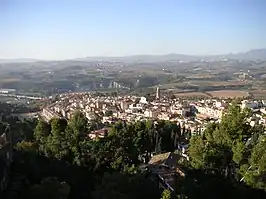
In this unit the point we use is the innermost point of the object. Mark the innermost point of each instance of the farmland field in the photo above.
(216, 83)
(8, 80)
(258, 94)
(228, 94)
(192, 94)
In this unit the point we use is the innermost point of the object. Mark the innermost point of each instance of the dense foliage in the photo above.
(232, 148)
(66, 145)
(125, 145)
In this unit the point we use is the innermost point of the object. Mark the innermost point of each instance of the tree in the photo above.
(125, 186)
(141, 139)
(49, 188)
(41, 133)
(75, 134)
(255, 174)
(196, 148)
(229, 148)
(166, 194)
(25, 146)
(56, 145)
(79, 124)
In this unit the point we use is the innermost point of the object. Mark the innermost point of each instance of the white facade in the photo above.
(249, 104)
(148, 113)
(209, 111)
(143, 100)
(124, 105)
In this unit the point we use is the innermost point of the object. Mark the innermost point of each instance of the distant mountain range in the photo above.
(141, 58)
(20, 60)
(257, 54)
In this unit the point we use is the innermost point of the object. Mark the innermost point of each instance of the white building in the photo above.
(124, 105)
(143, 100)
(179, 110)
(149, 113)
(210, 111)
(249, 104)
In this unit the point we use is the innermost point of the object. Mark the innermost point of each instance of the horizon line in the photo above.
(129, 55)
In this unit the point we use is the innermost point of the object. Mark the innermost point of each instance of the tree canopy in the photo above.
(232, 148)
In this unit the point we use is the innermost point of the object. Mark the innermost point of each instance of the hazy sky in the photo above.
(59, 29)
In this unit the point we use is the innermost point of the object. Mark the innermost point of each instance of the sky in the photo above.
(65, 29)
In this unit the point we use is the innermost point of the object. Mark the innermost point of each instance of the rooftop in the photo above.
(168, 159)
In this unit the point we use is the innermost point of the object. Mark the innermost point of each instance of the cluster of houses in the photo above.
(193, 115)
(190, 114)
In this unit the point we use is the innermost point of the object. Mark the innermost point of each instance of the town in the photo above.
(193, 115)
(132, 99)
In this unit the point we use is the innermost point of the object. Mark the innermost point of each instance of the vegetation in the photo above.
(49, 78)
(122, 146)
(49, 188)
(7, 109)
(232, 149)
(59, 160)
(166, 194)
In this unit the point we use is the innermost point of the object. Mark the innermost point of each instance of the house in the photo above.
(179, 110)
(143, 100)
(125, 104)
(249, 104)
(168, 159)
(166, 167)
(164, 116)
(101, 133)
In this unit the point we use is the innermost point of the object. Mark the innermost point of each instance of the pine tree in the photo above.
(166, 194)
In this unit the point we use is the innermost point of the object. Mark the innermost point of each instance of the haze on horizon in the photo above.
(49, 29)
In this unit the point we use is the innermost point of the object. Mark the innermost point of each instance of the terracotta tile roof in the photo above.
(159, 159)
(168, 159)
